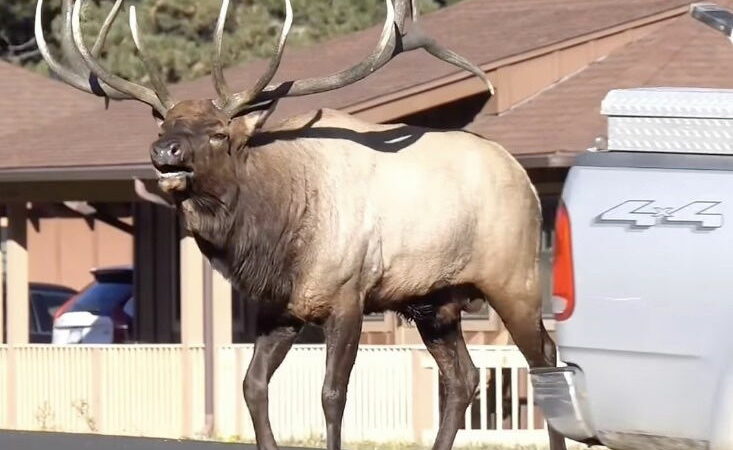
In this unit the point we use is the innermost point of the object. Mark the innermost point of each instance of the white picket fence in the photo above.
(140, 390)
(159, 390)
(379, 405)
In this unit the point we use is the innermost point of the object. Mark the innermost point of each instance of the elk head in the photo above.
(199, 137)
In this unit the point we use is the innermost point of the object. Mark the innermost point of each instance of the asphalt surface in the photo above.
(22, 440)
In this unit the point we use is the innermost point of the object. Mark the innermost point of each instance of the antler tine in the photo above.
(75, 78)
(136, 91)
(417, 39)
(377, 58)
(159, 86)
(243, 98)
(217, 67)
(106, 26)
(402, 8)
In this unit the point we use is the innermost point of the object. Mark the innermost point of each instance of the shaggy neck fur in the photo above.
(253, 225)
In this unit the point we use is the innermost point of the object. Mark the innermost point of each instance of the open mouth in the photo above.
(169, 171)
(174, 178)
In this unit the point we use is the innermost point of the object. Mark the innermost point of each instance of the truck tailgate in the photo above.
(653, 267)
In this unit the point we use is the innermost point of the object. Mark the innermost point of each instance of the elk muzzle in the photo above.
(171, 159)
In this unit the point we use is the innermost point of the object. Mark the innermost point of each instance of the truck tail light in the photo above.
(563, 287)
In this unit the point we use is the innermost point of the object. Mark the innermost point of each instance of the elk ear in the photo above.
(247, 124)
(253, 120)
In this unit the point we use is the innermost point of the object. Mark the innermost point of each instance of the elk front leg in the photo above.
(342, 330)
(271, 347)
(443, 338)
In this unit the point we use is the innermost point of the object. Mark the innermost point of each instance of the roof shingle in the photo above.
(29, 100)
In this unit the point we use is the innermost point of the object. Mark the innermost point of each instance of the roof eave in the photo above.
(115, 172)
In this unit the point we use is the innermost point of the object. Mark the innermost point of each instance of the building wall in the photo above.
(63, 250)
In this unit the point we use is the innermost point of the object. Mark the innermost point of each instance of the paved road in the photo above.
(21, 440)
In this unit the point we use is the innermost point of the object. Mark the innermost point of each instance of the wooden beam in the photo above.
(60, 191)
(17, 274)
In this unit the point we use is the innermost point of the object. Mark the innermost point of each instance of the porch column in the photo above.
(192, 292)
(222, 310)
(224, 420)
(3, 228)
(192, 325)
(17, 274)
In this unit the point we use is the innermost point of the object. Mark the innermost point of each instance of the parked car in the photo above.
(102, 313)
(45, 300)
(643, 276)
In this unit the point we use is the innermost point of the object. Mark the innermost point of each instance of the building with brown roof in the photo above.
(546, 58)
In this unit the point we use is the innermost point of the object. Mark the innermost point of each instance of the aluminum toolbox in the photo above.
(670, 120)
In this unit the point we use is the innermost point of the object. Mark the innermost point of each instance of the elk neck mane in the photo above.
(253, 226)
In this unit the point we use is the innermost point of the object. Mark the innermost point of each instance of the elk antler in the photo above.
(261, 92)
(158, 100)
(408, 41)
(233, 103)
(86, 73)
(390, 45)
(158, 85)
(78, 75)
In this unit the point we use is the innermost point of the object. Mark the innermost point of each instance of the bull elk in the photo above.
(323, 217)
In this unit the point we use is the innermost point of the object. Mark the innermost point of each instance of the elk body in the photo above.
(324, 217)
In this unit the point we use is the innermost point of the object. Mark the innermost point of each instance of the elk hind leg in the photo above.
(520, 308)
(442, 335)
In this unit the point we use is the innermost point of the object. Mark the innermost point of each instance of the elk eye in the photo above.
(218, 137)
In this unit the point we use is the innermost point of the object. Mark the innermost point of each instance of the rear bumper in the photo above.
(561, 393)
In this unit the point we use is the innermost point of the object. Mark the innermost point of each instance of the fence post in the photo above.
(98, 377)
(11, 404)
(423, 394)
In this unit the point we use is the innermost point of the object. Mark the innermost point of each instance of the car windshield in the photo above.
(103, 297)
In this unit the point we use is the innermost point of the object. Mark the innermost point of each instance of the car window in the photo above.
(45, 305)
(102, 298)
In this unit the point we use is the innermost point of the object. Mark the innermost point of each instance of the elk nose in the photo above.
(167, 150)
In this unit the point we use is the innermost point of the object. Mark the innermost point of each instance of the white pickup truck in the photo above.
(644, 275)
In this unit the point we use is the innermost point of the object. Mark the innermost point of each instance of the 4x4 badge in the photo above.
(647, 213)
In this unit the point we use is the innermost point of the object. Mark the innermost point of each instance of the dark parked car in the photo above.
(101, 313)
